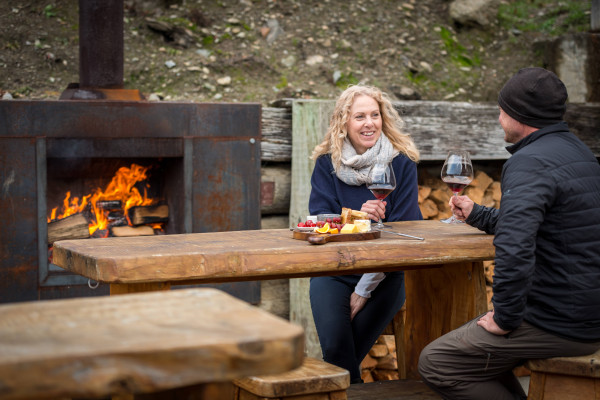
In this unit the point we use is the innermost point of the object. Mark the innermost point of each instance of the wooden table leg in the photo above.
(124, 288)
(439, 300)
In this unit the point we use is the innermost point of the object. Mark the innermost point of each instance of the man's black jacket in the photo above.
(547, 236)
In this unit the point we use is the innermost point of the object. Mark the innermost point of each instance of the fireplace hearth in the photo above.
(205, 160)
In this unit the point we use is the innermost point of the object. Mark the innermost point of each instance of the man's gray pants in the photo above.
(471, 363)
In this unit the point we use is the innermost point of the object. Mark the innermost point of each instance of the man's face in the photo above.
(513, 129)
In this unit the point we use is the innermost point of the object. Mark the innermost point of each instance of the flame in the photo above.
(121, 187)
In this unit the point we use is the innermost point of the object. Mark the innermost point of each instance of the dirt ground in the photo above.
(263, 50)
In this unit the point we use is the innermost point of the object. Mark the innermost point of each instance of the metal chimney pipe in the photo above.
(101, 44)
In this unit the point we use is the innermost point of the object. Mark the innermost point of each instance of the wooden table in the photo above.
(138, 343)
(445, 285)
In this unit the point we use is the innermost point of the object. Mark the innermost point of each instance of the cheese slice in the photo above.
(349, 228)
(363, 225)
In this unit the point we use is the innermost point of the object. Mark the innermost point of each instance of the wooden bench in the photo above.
(314, 380)
(565, 378)
(403, 389)
(147, 345)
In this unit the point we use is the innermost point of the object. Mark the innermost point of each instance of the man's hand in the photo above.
(357, 303)
(461, 206)
(487, 322)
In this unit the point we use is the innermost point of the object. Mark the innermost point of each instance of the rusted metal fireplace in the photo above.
(203, 159)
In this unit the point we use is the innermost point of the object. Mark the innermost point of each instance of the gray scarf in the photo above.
(354, 169)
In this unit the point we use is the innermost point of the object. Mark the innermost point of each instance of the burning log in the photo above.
(144, 215)
(73, 227)
(117, 218)
(121, 231)
(110, 205)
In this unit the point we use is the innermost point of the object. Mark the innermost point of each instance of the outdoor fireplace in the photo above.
(203, 160)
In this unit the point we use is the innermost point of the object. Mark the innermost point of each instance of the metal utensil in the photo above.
(403, 234)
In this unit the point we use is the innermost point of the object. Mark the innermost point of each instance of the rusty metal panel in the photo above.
(106, 119)
(226, 185)
(227, 120)
(115, 147)
(18, 208)
(225, 179)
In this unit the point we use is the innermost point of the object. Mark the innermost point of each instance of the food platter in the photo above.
(322, 238)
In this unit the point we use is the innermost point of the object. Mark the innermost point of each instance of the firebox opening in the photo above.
(142, 194)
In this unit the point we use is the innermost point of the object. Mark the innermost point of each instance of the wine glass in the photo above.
(457, 173)
(381, 183)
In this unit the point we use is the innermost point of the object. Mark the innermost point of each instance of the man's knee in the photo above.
(426, 365)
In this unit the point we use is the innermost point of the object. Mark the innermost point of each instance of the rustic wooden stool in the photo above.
(314, 380)
(565, 378)
(396, 328)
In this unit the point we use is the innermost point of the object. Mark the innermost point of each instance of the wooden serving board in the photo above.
(322, 238)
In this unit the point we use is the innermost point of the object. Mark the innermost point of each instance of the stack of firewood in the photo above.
(381, 364)
(434, 194)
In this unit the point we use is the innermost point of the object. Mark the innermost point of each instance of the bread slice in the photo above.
(349, 215)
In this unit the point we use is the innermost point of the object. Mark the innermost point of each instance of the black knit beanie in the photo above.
(534, 97)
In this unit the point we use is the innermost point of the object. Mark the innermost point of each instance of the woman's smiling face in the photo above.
(364, 123)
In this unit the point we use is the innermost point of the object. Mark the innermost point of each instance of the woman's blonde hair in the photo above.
(391, 125)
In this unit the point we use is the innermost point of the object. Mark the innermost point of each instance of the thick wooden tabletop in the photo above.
(266, 254)
(93, 347)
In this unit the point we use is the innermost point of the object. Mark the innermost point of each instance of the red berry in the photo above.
(301, 225)
(328, 221)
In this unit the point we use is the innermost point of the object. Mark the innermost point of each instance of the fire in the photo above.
(121, 187)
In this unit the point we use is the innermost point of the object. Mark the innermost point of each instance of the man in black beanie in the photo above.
(547, 239)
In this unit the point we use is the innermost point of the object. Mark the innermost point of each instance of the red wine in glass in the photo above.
(381, 191)
(457, 183)
(382, 182)
(457, 173)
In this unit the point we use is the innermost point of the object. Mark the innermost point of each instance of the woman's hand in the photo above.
(375, 209)
(357, 302)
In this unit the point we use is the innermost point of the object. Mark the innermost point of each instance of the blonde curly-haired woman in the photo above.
(351, 311)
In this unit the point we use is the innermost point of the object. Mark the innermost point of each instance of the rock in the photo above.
(289, 61)
(314, 60)
(153, 97)
(405, 93)
(170, 64)
(426, 66)
(7, 96)
(203, 52)
(336, 76)
(473, 12)
(274, 30)
(224, 81)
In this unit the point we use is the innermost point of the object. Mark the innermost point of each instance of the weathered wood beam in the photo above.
(437, 126)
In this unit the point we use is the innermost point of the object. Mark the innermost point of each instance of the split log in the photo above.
(378, 350)
(275, 189)
(275, 222)
(481, 181)
(117, 218)
(276, 144)
(428, 208)
(121, 231)
(110, 205)
(72, 227)
(144, 215)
